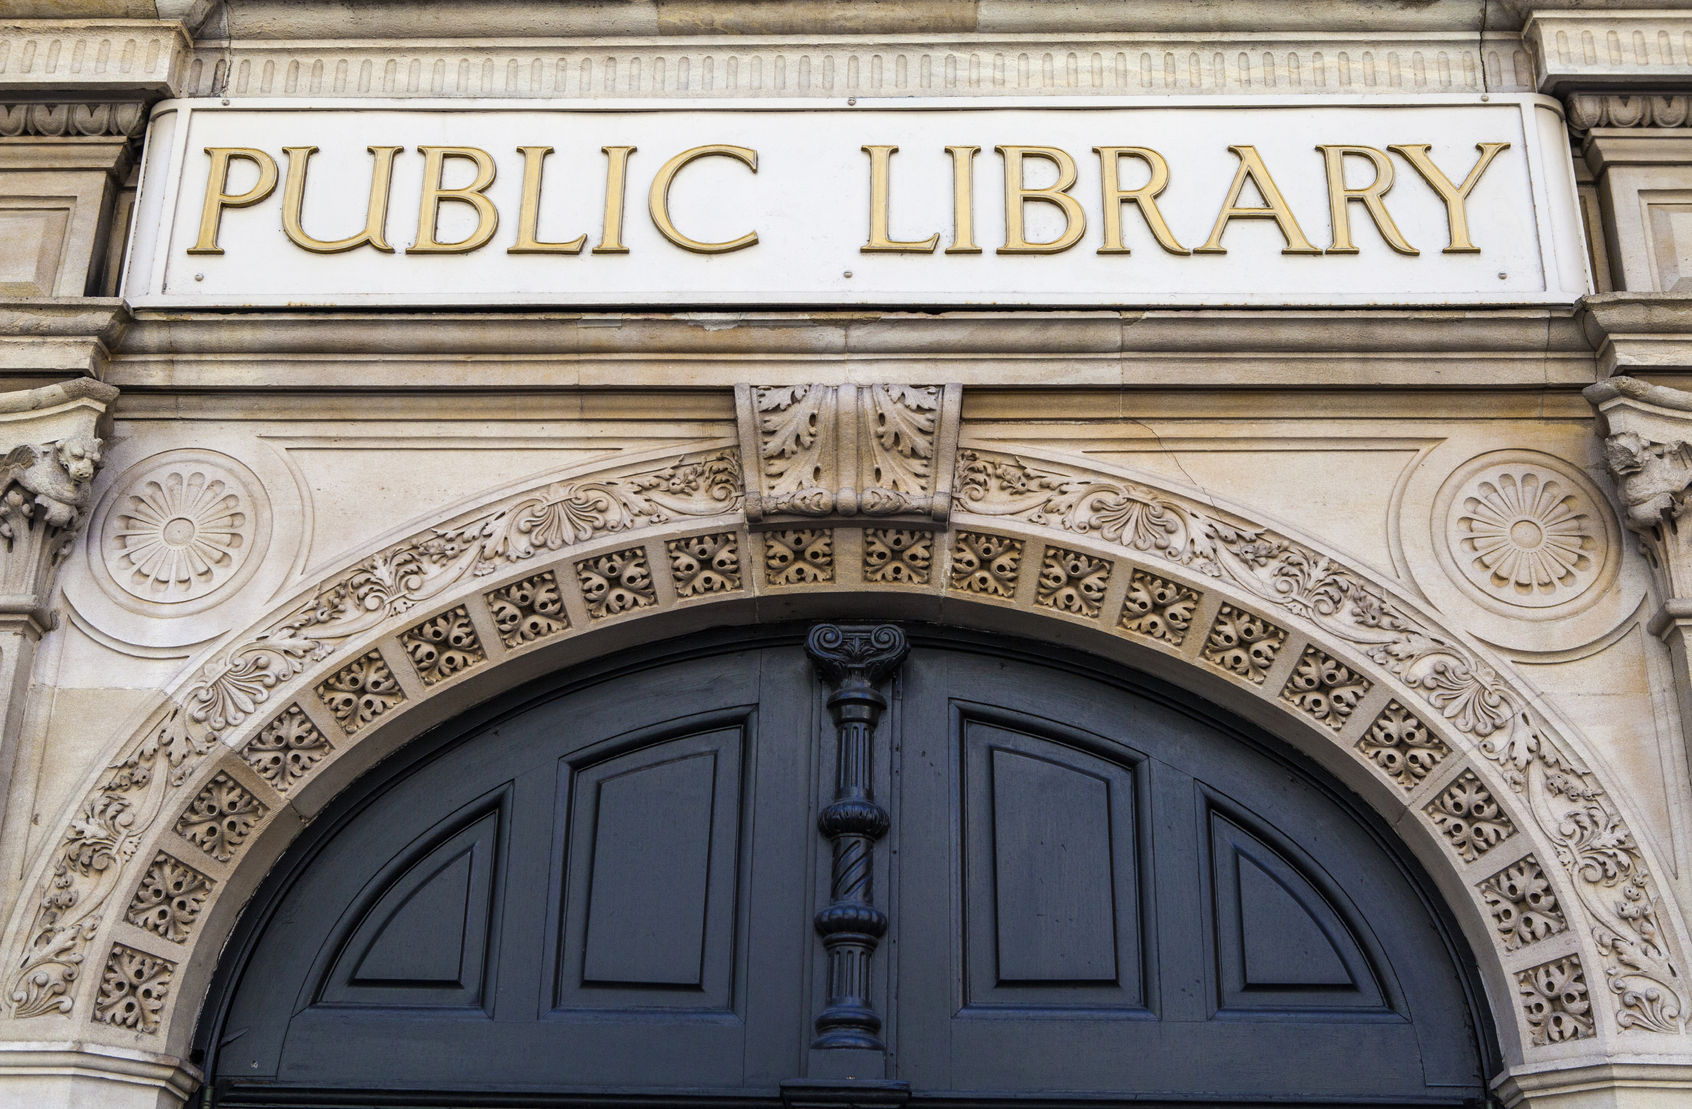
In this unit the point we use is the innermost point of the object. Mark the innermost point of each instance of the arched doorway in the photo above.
(601, 890)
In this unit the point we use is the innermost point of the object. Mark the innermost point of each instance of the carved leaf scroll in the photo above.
(1603, 862)
(875, 450)
(128, 801)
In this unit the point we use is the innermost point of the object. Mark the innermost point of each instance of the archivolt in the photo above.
(1580, 950)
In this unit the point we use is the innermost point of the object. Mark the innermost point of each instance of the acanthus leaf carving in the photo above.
(853, 451)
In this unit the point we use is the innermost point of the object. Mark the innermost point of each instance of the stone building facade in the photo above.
(254, 546)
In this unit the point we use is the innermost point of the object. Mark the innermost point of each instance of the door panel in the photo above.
(424, 941)
(1051, 898)
(649, 918)
(620, 808)
(1279, 941)
(605, 890)
(1269, 980)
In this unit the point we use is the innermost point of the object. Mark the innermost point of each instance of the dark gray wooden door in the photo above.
(1102, 892)
(602, 892)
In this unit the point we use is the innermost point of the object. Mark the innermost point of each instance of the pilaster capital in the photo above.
(1648, 450)
(50, 449)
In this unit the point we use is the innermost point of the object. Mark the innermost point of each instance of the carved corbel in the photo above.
(873, 452)
(1648, 449)
(49, 452)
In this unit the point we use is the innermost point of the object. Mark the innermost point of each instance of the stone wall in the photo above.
(247, 553)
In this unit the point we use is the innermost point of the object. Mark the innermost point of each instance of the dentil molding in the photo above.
(85, 59)
(1240, 63)
(1609, 49)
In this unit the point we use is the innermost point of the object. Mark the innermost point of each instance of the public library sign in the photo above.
(1450, 200)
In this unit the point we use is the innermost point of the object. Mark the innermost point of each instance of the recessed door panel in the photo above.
(1284, 938)
(1050, 892)
(424, 939)
(651, 877)
(1084, 813)
(558, 898)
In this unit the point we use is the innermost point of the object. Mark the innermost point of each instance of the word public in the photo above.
(1060, 197)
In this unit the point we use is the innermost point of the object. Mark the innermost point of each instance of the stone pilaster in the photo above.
(1647, 433)
(74, 95)
(49, 452)
(1627, 93)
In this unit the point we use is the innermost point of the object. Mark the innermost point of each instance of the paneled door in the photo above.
(1100, 892)
(602, 891)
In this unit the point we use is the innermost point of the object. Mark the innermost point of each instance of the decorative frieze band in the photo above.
(882, 65)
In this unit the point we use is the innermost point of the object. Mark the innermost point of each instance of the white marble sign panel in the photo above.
(908, 203)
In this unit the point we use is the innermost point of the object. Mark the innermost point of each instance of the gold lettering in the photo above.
(1145, 196)
(963, 199)
(616, 188)
(218, 196)
(658, 197)
(881, 160)
(434, 192)
(375, 212)
(1017, 193)
(1340, 198)
(1275, 207)
(528, 215)
(1456, 197)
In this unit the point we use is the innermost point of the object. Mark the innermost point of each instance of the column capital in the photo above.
(49, 452)
(1647, 433)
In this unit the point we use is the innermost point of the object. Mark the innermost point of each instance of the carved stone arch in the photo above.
(1580, 950)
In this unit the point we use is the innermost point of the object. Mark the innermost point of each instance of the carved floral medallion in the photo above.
(179, 528)
(1524, 530)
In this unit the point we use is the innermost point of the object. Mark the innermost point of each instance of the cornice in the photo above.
(1635, 333)
(1611, 50)
(57, 336)
(92, 60)
(1088, 63)
(545, 350)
